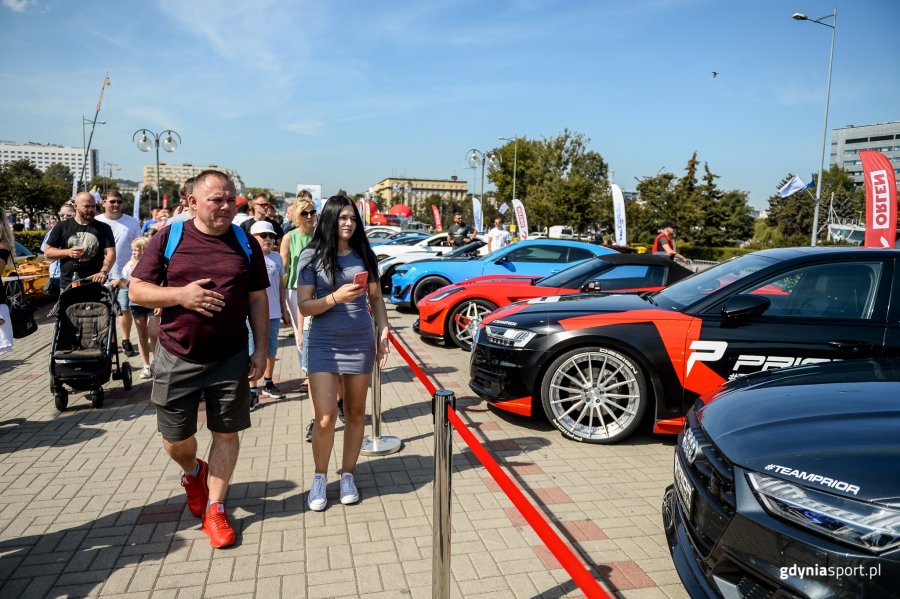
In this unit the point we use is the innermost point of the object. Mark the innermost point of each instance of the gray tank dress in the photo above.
(341, 339)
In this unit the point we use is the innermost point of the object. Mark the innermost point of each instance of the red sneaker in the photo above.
(197, 489)
(217, 527)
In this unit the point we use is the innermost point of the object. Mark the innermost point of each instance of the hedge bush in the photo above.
(719, 254)
(31, 239)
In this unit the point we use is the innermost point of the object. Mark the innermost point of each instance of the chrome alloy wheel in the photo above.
(465, 319)
(595, 395)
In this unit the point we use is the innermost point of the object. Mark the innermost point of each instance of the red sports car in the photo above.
(453, 312)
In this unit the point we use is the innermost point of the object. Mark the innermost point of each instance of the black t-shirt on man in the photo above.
(94, 237)
(459, 233)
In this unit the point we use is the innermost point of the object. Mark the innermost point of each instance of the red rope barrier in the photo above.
(417, 370)
(557, 547)
(579, 573)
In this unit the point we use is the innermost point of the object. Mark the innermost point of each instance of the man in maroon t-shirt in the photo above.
(207, 291)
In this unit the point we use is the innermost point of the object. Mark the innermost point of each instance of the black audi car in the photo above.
(787, 484)
(596, 364)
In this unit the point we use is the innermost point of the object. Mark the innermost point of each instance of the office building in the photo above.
(43, 155)
(848, 141)
(451, 189)
(179, 173)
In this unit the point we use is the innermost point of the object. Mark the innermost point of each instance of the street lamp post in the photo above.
(515, 159)
(473, 157)
(84, 149)
(168, 144)
(798, 16)
(409, 201)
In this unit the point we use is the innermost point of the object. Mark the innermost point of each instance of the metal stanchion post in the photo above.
(443, 453)
(378, 444)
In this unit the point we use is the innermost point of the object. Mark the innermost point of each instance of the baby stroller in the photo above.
(84, 344)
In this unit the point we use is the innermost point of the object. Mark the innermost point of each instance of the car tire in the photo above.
(386, 280)
(461, 316)
(426, 286)
(586, 411)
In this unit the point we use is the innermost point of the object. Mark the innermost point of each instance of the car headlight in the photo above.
(870, 526)
(444, 293)
(508, 337)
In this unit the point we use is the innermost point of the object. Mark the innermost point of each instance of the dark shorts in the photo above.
(179, 385)
(140, 310)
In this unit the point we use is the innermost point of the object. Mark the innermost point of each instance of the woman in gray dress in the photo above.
(342, 344)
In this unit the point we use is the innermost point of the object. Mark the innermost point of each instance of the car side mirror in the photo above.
(745, 306)
(592, 286)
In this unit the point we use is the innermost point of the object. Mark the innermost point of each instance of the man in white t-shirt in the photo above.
(498, 237)
(125, 230)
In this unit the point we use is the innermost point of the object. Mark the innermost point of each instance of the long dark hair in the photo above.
(325, 239)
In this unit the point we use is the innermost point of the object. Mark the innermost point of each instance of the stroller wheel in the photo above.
(61, 399)
(126, 376)
(96, 398)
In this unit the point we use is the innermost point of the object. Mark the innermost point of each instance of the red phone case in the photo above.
(361, 278)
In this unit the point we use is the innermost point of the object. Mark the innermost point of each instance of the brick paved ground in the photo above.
(90, 505)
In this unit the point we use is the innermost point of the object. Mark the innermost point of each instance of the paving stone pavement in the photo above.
(90, 505)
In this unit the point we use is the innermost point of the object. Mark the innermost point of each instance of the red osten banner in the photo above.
(438, 225)
(881, 199)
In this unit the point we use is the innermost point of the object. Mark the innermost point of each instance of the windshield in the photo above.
(694, 288)
(470, 248)
(571, 277)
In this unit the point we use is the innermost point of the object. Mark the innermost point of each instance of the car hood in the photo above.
(501, 279)
(837, 421)
(559, 307)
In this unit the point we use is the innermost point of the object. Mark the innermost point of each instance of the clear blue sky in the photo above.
(348, 93)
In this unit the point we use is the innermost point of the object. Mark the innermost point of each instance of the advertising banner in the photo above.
(438, 225)
(477, 215)
(881, 199)
(137, 202)
(521, 218)
(619, 215)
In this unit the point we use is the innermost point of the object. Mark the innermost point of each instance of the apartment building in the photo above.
(848, 141)
(43, 155)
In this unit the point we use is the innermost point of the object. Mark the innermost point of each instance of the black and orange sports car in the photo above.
(596, 364)
(453, 313)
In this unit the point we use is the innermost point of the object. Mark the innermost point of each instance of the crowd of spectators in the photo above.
(186, 278)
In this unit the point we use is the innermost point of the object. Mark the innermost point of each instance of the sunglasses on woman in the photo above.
(307, 213)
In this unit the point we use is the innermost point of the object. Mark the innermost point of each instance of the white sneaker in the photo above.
(146, 373)
(317, 499)
(349, 494)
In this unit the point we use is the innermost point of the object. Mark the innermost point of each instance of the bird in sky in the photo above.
(715, 74)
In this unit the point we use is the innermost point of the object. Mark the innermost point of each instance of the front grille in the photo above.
(712, 477)
(485, 379)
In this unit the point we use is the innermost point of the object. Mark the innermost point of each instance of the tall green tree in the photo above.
(558, 180)
(792, 217)
(57, 179)
(657, 195)
(60, 173)
(22, 189)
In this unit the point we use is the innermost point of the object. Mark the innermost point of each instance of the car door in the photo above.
(816, 313)
(534, 259)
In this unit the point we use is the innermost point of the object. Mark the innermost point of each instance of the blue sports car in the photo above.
(539, 257)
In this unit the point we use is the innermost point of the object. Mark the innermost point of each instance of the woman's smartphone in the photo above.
(361, 278)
